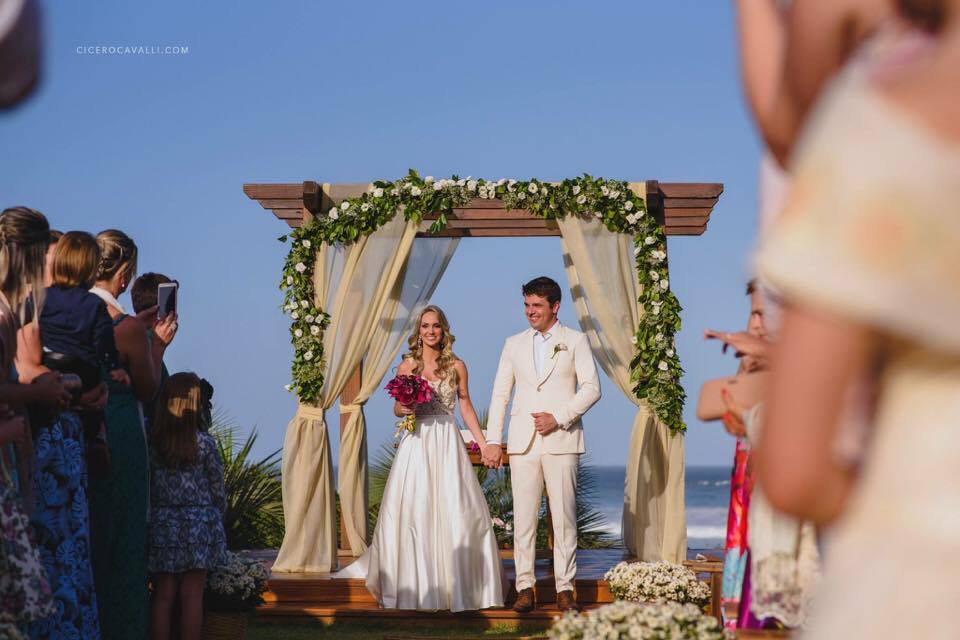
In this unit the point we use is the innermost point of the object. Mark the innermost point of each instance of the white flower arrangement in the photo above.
(655, 581)
(611, 202)
(236, 584)
(635, 621)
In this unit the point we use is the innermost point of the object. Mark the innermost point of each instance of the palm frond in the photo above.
(254, 516)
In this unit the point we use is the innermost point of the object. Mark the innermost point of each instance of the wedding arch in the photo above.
(364, 257)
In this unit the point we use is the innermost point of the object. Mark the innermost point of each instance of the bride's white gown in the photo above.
(434, 546)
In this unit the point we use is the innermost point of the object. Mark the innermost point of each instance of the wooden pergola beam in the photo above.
(684, 208)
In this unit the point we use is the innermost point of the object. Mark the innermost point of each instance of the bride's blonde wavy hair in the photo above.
(447, 356)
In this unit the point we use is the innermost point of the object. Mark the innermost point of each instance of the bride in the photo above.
(434, 546)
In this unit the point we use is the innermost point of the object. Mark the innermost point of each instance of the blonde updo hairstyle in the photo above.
(118, 254)
(24, 238)
(447, 357)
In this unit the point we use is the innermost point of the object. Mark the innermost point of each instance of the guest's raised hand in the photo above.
(166, 329)
(743, 343)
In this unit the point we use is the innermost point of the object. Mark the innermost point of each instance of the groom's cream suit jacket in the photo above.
(555, 391)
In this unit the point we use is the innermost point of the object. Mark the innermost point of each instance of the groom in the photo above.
(546, 363)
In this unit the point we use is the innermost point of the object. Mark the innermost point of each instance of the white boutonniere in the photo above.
(557, 348)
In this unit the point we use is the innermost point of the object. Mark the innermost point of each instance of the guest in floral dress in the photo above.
(188, 500)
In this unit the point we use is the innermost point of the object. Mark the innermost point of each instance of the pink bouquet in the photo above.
(409, 390)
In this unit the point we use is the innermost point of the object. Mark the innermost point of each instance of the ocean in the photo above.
(707, 499)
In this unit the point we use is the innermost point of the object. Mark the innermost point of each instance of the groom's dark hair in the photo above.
(544, 287)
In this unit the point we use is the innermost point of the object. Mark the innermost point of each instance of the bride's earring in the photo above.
(419, 343)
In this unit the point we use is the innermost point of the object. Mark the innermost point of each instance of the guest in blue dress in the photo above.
(187, 503)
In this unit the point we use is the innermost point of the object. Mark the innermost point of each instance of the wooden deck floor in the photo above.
(318, 596)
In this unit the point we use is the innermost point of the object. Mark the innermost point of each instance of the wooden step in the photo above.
(330, 591)
(541, 617)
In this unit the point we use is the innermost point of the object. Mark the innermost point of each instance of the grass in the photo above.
(307, 630)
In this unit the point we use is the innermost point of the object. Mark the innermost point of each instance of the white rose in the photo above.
(631, 219)
(501, 182)
(637, 250)
(437, 186)
(304, 304)
(308, 355)
(510, 185)
(306, 244)
(314, 330)
(628, 205)
(576, 189)
(669, 353)
(309, 318)
(365, 206)
(581, 199)
(543, 191)
(395, 191)
(334, 214)
(656, 308)
(294, 315)
(482, 192)
(298, 333)
(472, 185)
(654, 275)
(461, 182)
(428, 179)
(633, 339)
(289, 279)
(532, 187)
(605, 191)
(664, 284)
(288, 387)
(659, 337)
(649, 240)
(663, 366)
(344, 206)
(614, 194)
(415, 191)
(521, 196)
(300, 267)
(378, 193)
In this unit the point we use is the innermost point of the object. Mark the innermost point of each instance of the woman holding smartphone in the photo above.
(118, 501)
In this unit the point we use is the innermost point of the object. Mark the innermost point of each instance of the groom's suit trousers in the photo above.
(529, 471)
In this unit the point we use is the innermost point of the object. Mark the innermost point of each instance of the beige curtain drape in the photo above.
(358, 286)
(605, 290)
(425, 264)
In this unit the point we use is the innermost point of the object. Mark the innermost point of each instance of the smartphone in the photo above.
(166, 299)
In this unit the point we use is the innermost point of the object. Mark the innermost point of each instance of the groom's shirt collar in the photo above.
(549, 333)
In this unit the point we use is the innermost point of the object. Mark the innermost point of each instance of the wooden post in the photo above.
(347, 396)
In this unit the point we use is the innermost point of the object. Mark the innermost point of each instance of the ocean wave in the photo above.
(698, 531)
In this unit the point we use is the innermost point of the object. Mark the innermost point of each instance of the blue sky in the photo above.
(160, 146)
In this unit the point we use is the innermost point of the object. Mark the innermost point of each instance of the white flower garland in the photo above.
(655, 368)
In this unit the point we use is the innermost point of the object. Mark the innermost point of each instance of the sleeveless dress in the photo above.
(118, 509)
(433, 547)
(24, 590)
(61, 521)
(875, 202)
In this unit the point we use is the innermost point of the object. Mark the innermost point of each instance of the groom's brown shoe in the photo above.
(525, 601)
(566, 601)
